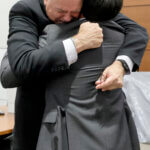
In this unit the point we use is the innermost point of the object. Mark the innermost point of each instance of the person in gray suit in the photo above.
(53, 114)
(77, 115)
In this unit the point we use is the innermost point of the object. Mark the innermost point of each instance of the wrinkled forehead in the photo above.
(68, 4)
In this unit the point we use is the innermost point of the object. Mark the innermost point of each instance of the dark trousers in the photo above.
(5, 142)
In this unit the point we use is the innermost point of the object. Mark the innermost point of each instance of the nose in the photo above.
(67, 18)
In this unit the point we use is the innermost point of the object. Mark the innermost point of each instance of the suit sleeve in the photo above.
(8, 79)
(136, 39)
(27, 60)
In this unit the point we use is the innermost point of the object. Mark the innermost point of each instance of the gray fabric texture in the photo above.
(77, 116)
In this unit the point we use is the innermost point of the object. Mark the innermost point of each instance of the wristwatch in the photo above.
(125, 66)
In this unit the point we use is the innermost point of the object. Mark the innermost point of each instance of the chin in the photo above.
(59, 22)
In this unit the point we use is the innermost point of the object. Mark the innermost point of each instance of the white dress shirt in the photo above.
(72, 55)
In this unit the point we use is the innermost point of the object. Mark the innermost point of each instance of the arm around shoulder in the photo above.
(136, 39)
(27, 60)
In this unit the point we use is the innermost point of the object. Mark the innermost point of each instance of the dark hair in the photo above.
(101, 10)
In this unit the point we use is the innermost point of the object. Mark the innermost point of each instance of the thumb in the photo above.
(101, 79)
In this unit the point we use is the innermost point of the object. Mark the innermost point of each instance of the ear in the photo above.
(45, 2)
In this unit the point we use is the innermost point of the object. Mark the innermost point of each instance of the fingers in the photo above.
(112, 77)
(101, 79)
(89, 36)
(105, 84)
(108, 83)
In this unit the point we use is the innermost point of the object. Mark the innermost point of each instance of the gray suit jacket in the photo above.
(76, 115)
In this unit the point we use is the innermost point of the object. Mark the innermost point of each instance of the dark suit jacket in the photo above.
(32, 65)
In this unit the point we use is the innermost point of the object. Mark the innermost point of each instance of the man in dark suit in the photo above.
(27, 20)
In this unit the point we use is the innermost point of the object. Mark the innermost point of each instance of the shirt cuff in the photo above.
(70, 51)
(127, 60)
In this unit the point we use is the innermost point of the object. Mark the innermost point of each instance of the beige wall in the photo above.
(5, 6)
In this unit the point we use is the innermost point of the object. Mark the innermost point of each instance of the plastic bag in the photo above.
(137, 91)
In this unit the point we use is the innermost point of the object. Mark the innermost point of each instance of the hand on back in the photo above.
(89, 36)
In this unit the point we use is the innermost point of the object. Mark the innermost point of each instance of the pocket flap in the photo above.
(50, 117)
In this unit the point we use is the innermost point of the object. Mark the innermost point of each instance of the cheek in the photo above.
(76, 15)
(55, 16)
(49, 13)
(58, 15)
